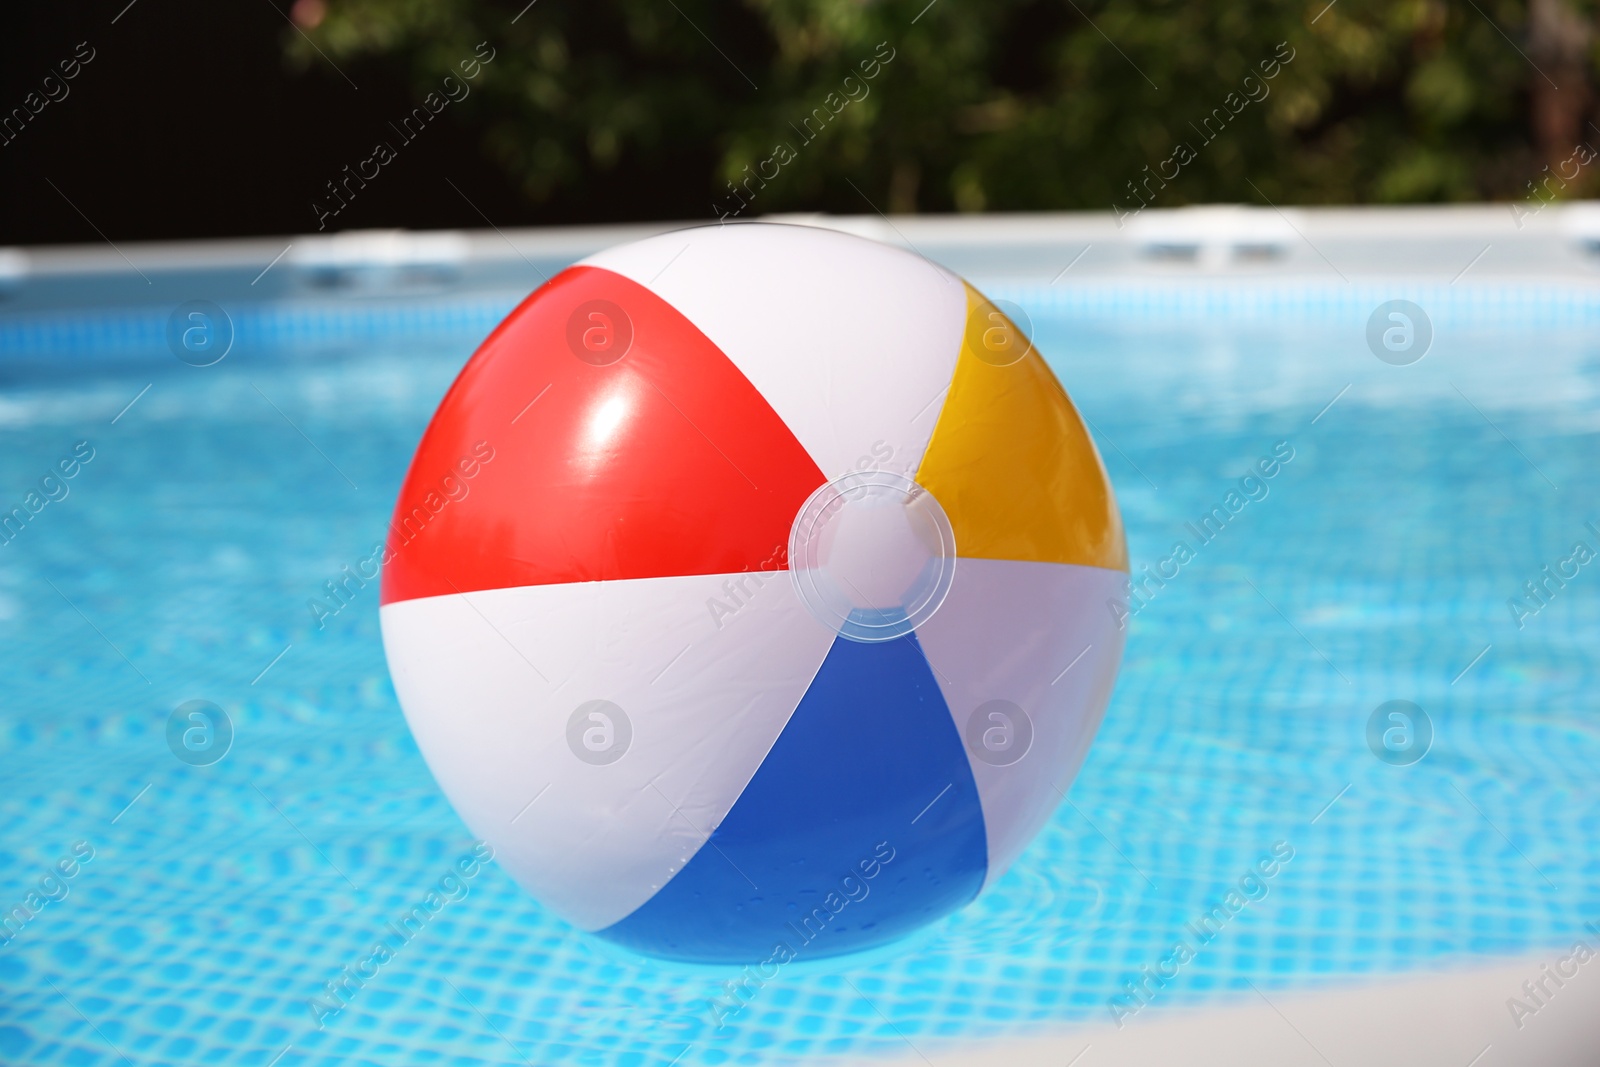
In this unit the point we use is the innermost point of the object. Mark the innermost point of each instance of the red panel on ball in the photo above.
(597, 434)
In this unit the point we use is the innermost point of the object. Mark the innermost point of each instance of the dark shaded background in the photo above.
(203, 119)
(190, 122)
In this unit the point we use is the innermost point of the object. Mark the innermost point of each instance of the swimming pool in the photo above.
(1383, 560)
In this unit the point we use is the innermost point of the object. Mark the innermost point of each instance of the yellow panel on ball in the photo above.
(1011, 460)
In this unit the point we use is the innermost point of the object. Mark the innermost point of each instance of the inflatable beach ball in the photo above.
(747, 593)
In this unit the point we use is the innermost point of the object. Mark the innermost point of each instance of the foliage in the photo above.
(999, 104)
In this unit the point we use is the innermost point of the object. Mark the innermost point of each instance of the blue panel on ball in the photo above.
(861, 824)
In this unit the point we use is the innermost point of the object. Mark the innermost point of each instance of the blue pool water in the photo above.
(220, 900)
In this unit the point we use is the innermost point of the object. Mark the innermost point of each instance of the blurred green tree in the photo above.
(1007, 104)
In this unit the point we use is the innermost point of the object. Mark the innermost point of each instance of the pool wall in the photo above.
(309, 292)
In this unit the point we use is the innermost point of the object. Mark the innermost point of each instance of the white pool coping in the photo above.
(1459, 1018)
(1556, 241)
